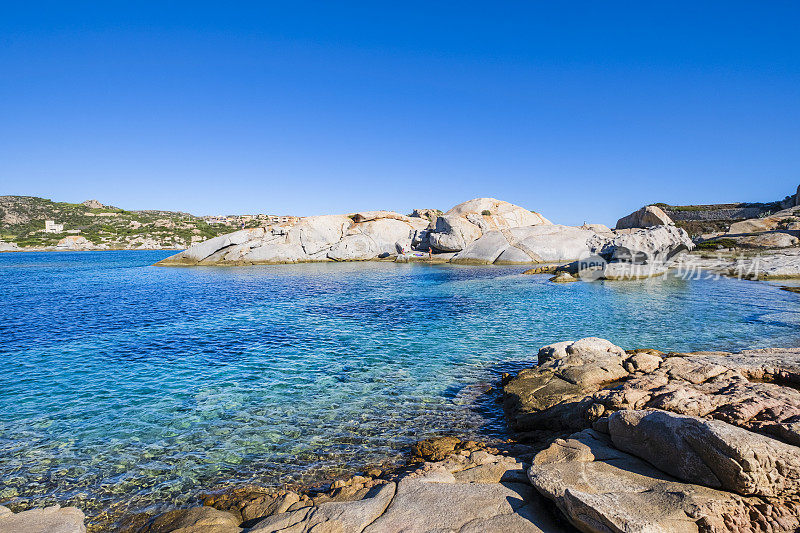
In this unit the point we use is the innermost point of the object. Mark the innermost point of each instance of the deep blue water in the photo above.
(125, 385)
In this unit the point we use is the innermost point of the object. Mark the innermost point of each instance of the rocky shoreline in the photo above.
(605, 440)
(482, 231)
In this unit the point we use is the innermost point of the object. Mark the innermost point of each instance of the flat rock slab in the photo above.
(344, 517)
(47, 520)
(422, 506)
(195, 520)
(600, 489)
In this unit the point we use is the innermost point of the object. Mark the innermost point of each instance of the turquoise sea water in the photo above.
(126, 386)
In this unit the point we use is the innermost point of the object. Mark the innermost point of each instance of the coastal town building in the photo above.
(50, 226)
(237, 220)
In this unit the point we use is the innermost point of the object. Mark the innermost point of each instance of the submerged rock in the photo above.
(564, 277)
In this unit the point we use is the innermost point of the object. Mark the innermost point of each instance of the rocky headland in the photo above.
(486, 231)
(482, 231)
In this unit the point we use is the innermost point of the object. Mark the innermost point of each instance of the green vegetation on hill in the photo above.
(22, 222)
(714, 207)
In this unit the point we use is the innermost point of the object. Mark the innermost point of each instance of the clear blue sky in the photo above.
(583, 111)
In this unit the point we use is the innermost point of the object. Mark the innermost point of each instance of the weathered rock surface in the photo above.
(601, 489)
(645, 217)
(530, 244)
(778, 264)
(632, 271)
(467, 221)
(331, 516)
(357, 237)
(660, 245)
(759, 225)
(777, 231)
(470, 489)
(74, 242)
(564, 277)
(767, 240)
(681, 442)
(362, 236)
(434, 449)
(555, 394)
(480, 231)
(92, 204)
(708, 452)
(194, 520)
(53, 519)
(452, 233)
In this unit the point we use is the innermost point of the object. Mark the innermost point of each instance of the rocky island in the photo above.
(482, 231)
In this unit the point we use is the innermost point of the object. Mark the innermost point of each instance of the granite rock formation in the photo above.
(645, 217)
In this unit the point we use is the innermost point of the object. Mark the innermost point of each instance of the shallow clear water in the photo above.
(125, 385)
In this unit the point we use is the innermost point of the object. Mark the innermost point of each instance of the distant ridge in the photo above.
(93, 225)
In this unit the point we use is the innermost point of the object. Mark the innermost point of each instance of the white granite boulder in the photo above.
(645, 217)
(547, 243)
(467, 221)
(360, 236)
(659, 244)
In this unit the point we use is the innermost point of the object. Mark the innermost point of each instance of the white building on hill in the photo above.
(50, 226)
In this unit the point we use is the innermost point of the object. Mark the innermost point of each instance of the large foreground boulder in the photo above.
(674, 442)
(708, 452)
(556, 394)
(599, 488)
(645, 217)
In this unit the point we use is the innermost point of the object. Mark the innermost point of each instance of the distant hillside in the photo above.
(704, 219)
(22, 221)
